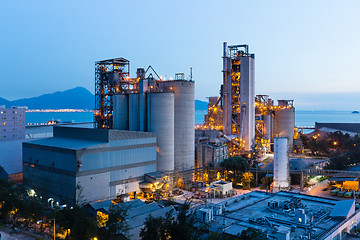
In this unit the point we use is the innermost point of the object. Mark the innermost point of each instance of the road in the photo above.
(18, 236)
(317, 190)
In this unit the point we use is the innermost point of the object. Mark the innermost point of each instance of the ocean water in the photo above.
(302, 117)
(43, 117)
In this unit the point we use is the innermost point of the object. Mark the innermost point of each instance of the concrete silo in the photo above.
(247, 100)
(184, 108)
(267, 126)
(281, 164)
(121, 112)
(284, 123)
(160, 120)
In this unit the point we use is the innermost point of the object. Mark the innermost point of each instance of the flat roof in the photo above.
(252, 210)
(65, 143)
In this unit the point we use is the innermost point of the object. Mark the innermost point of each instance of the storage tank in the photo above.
(184, 103)
(121, 112)
(281, 164)
(284, 124)
(160, 120)
(134, 113)
(267, 126)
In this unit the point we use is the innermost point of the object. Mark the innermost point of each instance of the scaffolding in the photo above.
(111, 77)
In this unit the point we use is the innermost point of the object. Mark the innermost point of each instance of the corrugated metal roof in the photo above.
(132, 204)
(143, 210)
(343, 208)
(106, 204)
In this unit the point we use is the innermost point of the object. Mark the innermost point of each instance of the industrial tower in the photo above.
(238, 94)
(111, 77)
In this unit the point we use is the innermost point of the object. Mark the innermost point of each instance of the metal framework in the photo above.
(231, 93)
(111, 77)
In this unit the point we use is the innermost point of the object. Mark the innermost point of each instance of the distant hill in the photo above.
(3, 101)
(201, 105)
(76, 98)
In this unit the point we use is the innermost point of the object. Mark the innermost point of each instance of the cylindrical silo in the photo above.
(281, 164)
(284, 124)
(267, 126)
(121, 112)
(184, 96)
(160, 117)
(134, 113)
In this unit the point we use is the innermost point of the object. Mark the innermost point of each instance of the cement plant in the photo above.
(246, 171)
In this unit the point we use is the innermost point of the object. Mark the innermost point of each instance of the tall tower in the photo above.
(239, 94)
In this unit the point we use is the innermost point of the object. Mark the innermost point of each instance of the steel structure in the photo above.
(238, 94)
(111, 77)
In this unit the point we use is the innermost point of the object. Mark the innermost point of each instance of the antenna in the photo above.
(191, 74)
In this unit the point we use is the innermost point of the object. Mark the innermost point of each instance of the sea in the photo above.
(303, 118)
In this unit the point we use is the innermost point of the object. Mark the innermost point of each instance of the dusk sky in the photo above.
(300, 47)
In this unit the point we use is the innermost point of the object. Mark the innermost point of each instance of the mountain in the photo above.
(76, 98)
(201, 105)
(3, 101)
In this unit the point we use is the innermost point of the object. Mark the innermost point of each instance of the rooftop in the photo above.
(272, 212)
(76, 138)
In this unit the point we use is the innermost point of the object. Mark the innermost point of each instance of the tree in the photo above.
(153, 229)
(266, 182)
(116, 226)
(181, 228)
(253, 234)
(246, 179)
(9, 200)
(236, 165)
(80, 223)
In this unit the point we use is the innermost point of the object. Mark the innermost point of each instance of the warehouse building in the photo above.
(88, 164)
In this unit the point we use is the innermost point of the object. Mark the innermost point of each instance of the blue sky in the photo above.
(301, 47)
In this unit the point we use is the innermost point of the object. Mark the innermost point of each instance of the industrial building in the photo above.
(148, 104)
(12, 123)
(283, 215)
(247, 121)
(12, 134)
(81, 164)
(352, 129)
(210, 153)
